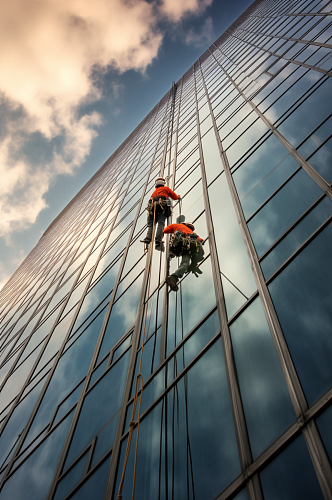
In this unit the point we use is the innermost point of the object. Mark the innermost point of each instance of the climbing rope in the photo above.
(138, 378)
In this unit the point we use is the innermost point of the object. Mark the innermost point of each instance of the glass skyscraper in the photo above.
(237, 364)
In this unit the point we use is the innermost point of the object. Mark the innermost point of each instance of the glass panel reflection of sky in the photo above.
(200, 437)
(283, 210)
(267, 405)
(17, 422)
(122, 316)
(36, 473)
(189, 305)
(233, 258)
(99, 406)
(302, 297)
(71, 368)
(291, 475)
(296, 237)
(95, 486)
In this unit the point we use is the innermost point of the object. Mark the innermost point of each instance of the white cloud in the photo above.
(48, 51)
(202, 38)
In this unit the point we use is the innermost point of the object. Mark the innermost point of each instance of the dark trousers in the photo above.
(160, 222)
(183, 267)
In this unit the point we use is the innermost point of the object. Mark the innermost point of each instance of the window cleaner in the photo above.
(159, 208)
(187, 244)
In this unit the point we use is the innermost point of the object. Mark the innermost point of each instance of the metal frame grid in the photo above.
(226, 97)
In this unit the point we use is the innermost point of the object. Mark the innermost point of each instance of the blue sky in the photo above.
(77, 77)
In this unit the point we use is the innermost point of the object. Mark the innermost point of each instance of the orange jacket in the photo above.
(164, 191)
(179, 227)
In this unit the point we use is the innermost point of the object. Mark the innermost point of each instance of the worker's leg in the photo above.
(160, 227)
(183, 267)
(148, 236)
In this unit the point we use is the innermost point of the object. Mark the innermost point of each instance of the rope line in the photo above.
(138, 378)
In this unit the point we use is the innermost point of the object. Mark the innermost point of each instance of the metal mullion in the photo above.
(164, 320)
(177, 348)
(315, 68)
(45, 341)
(316, 177)
(98, 344)
(36, 407)
(301, 40)
(315, 446)
(245, 455)
(134, 342)
(95, 355)
(174, 382)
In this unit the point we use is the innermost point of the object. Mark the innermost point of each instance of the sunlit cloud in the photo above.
(49, 50)
(203, 37)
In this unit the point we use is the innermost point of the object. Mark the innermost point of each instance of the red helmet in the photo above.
(160, 181)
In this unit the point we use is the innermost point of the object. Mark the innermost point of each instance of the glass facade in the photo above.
(236, 365)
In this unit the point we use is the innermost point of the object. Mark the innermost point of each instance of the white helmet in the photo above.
(160, 181)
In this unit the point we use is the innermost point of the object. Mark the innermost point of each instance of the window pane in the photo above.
(122, 317)
(322, 161)
(200, 437)
(283, 210)
(267, 405)
(309, 114)
(233, 258)
(95, 486)
(325, 428)
(302, 297)
(190, 304)
(36, 473)
(99, 406)
(212, 160)
(71, 368)
(296, 237)
(291, 475)
(71, 479)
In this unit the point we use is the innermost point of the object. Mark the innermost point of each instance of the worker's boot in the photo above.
(159, 246)
(146, 240)
(171, 282)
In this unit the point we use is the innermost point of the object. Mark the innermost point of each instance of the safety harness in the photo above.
(160, 204)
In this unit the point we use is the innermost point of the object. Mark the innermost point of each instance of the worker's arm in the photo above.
(170, 229)
(200, 239)
(171, 193)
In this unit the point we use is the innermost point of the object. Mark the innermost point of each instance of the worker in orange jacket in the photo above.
(185, 244)
(159, 204)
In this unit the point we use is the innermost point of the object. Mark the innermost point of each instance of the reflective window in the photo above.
(309, 114)
(212, 161)
(200, 437)
(36, 473)
(302, 297)
(267, 405)
(283, 210)
(71, 368)
(122, 317)
(237, 279)
(325, 428)
(71, 478)
(322, 160)
(291, 475)
(296, 237)
(190, 304)
(95, 485)
(99, 407)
